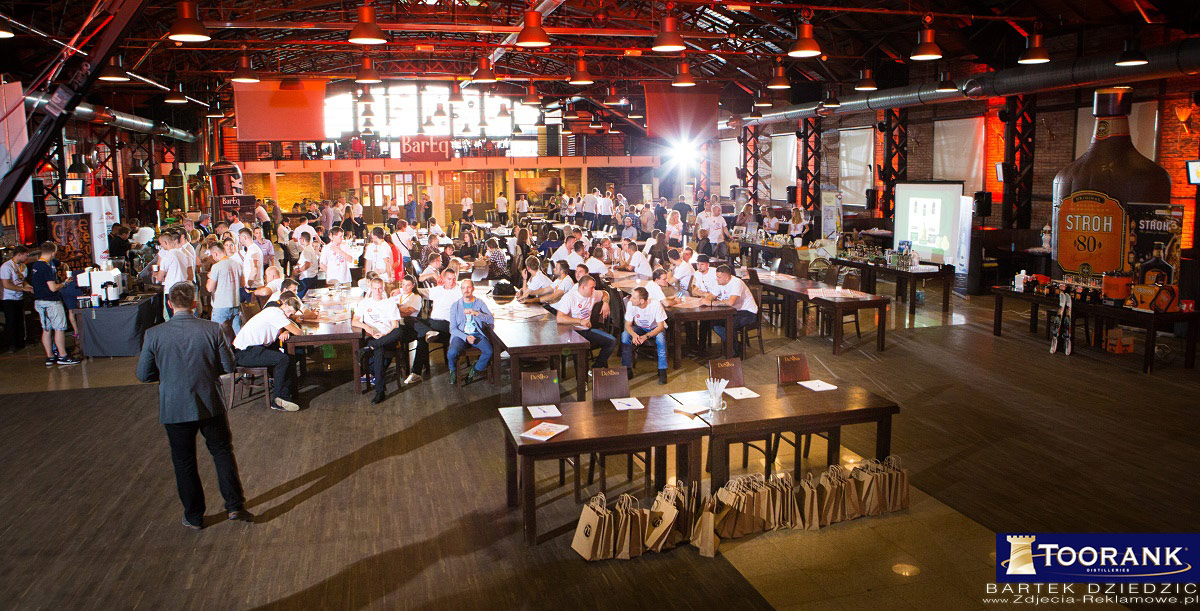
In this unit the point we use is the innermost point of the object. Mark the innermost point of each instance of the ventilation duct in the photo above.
(100, 114)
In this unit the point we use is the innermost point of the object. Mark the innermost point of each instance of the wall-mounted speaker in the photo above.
(872, 199)
(983, 203)
(791, 195)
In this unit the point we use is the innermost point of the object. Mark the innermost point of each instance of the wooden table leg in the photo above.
(883, 437)
(581, 374)
(1189, 348)
(912, 296)
(833, 453)
(836, 321)
(881, 328)
(1033, 316)
(695, 461)
(947, 286)
(719, 465)
(355, 344)
(510, 472)
(729, 338)
(514, 367)
(999, 315)
(660, 466)
(1151, 341)
(797, 456)
(529, 500)
(789, 312)
(675, 347)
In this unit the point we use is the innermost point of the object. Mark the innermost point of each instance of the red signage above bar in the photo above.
(425, 148)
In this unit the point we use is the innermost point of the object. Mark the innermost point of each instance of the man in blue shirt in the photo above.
(467, 317)
(47, 301)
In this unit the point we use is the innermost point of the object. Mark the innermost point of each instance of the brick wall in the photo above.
(290, 188)
(1177, 144)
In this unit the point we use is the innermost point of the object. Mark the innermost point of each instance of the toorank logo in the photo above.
(1098, 557)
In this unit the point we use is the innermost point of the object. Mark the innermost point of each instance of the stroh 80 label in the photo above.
(1091, 233)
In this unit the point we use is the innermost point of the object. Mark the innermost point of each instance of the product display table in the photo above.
(906, 279)
(117, 331)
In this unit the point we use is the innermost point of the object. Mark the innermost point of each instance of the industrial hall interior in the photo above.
(613, 304)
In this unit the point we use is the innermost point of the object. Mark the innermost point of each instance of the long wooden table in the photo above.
(793, 408)
(906, 279)
(839, 306)
(598, 427)
(1150, 321)
(325, 333)
(793, 290)
(679, 315)
(540, 339)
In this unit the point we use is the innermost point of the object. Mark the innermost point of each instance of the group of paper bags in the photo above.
(626, 530)
(870, 489)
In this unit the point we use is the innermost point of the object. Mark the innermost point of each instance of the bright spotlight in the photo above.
(685, 155)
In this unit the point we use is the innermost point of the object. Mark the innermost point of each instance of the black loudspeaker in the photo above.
(983, 203)
(872, 199)
(791, 194)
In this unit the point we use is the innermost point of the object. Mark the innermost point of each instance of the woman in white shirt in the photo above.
(674, 229)
(378, 255)
(797, 224)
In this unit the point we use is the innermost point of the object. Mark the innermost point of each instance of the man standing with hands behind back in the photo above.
(187, 356)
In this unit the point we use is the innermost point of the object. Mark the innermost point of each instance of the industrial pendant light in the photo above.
(368, 122)
(684, 77)
(581, 76)
(215, 111)
(367, 31)
(612, 129)
(136, 169)
(533, 35)
(367, 132)
(244, 73)
(596, 123)
(420, 128)
(945, 85)
(566, 130)
(466, 129)
(114, 72)
(531, 97)
(754, 113)
(1132, 55)
(484, 73)
(779, 80)
(367, 74)
(429, 120)
(570, 113)
(541, 122)
(5, 31)
(440, 111)
(187, 26)
(761, 101)
(668, 39)
(503, 112)
(612, 99)
(1034, 53)
(367, 112)
(866, 81)
(176, 95)
(927, 48)
(456, 96)
(77, 165)
(483, 122)
(831, 100)
(366, 97)
(635, 112)
(805, 45)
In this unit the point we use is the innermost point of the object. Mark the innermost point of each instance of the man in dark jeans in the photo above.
(187, 356)
(256, 346)
(12, 279)
(734, 293)
(575, 308)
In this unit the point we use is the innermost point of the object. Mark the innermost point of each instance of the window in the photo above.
(783, 165)
(958, 152)
(856, 159)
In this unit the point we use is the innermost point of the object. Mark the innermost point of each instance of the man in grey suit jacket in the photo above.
(187, 356)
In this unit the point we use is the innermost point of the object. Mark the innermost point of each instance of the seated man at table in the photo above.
(681, 271)
(468, 315)
(595, 263)
(578, 253)
(432, 271)
(442, 297)
(657, 287)
(562, 252)
(550, 245)
(644, 319)
(733, 292)
(575, 308)
(256, 346)
(636, 261)
(705, 277)
(288, 284)
(379, 318)
(629, 232)
(409, 302)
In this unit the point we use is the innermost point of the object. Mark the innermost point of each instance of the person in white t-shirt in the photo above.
(255, 346)
(604, 210)
(636, 261)
(235, 224)
(564, 251)
(575, 308)
(441, 298)
(172, 268)
(305, 229)
(307, 264)
(224, 285)
(594, 263)
(335, 259)
(468, 209)
(659, 283)
(502, 209)
(681, 270)
(379, 318)
(590, 201)
(378, 255)
(705, 278)
(645, 319)
(733, 292)
(252, 260)
(535, 283)
(522, 207)
(578, 254)
(435, 229)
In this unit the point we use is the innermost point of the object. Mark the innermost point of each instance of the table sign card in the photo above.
(817, 385)
(627, 403)
(692, 409)
(544, 411)
(544, 430)
(741, 392)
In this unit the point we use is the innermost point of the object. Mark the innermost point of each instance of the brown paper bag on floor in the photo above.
(704, 536)
(662, 515)
(899, 484)
(870, 482)
(686, 500)
(851, 503)
(630, 528)
(588, 531)
(808, 505)
(829, 496)
(786, 510)
(608, 536)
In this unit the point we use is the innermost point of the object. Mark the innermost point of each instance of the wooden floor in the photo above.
(402, 506)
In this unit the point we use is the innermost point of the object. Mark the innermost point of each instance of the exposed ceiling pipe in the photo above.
(1181, 58)
(462, 28)
(100, 114)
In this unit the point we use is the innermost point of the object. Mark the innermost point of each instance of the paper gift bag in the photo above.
(608, 536)
(588, 532)
(829, 497)
(787, 513)
(662, 516)
(704, 537)
(899, 485)
(808, 505)
(630, 528)
(687, 503)
(870, 482)
(851, 503)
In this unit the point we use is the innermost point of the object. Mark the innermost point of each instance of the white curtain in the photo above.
(856, 162)
(958, 152)
(731, 159)
(783, 165)
(1143, 128)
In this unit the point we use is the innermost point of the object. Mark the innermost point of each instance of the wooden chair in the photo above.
(245, 380)
(731, 369)
(789, 369)
(772, 303)
(744, 333)
(613, 383)
(831, 275)
(851, 283)
(401, 362)
(541, 388)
